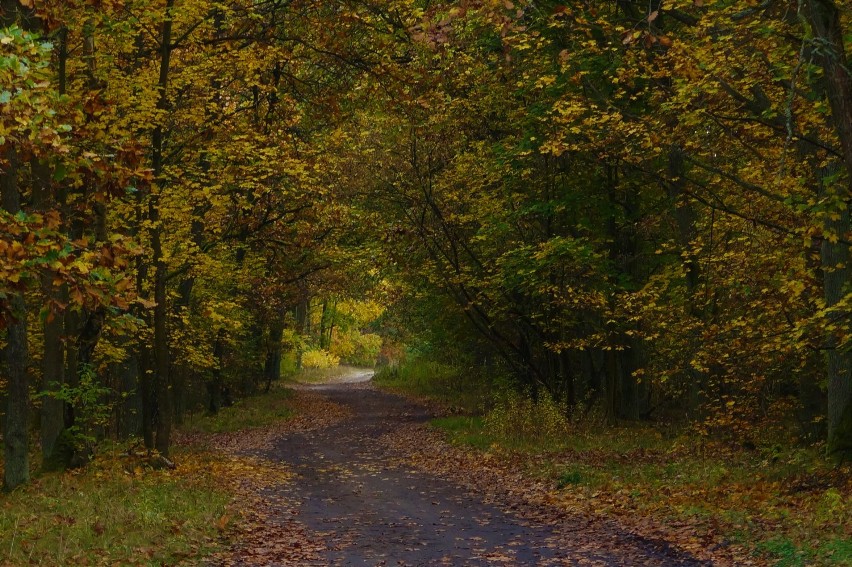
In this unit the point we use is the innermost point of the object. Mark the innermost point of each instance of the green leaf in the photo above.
(60, 172)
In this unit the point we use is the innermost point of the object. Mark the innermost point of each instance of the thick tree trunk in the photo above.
(53, 368)
(824, 18)
(15, 354)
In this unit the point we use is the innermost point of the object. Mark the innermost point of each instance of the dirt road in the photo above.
(358, 502)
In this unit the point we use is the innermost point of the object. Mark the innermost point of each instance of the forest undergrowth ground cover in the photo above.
(714, 501)
(121, 510)
(774, 505)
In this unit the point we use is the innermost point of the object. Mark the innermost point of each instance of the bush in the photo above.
(360, 349)
(519, 417)
(318, 358)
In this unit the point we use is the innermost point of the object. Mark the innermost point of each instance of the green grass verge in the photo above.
(260, 410)
(113, 513)
(462, 390)
(786, 505)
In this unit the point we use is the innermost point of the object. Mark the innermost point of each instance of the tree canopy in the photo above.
(636, 207)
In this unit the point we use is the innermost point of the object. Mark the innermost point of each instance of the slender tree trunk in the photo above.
(610, 384)
(824, 18)
(214, 386)
(303, 309)
(162, 382)
(149, 400)
(16, 428)
(53, 368)
(53, 360)
(323, 324)
(272, 365)
(685, 218)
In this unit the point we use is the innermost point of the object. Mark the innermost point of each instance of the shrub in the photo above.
(318, 358)
(519, 417)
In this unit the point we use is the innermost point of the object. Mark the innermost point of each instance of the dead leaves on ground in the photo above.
(259, 525)
(312, 411)
(500, 479)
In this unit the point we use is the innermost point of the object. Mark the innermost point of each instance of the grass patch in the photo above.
(461, 390)
(466, 430)
(569, 477)
(259, 410)
(113, 512)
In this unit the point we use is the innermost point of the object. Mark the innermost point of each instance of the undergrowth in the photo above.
(254, 411)
(116, 511)
(460, 389)
(785, 504)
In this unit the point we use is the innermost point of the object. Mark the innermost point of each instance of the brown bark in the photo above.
(53, 359)
(15, 353)
(824, 18)
(272, 364)
(162, 382)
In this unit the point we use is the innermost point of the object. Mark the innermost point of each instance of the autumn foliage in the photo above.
(631, 209)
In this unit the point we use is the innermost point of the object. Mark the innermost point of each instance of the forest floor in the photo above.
(363, 479)
(336, 471)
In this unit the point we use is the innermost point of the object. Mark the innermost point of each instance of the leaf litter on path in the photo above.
(260, 528)
(360, 478)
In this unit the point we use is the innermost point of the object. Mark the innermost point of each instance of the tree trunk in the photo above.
(16, 428)
(53, 360)
(162, 383)
(130, 407)
(149, 401)
(16, 355)
(323, 325)
(839, 364)
(214, 386)
(272, 365)
(53, 368)
(303, 309)
(824, 18)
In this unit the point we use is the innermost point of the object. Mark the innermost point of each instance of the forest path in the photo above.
(357, 499)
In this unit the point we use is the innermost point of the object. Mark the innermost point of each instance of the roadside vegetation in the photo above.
(254, 411)
(459, 389)
(118, 510)
(785, 504)
(126, 508)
